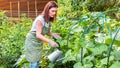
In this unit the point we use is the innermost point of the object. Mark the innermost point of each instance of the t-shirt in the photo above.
(42, 20)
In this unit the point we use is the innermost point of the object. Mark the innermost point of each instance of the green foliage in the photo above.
(64, 7)
(109, 40)
(12, 39)
(21, 62)
(76, 8)
(102, 5)
(84, 38)
(98, 49)
(115, 65)
(77, 65)
(70, 8)
(116, 55)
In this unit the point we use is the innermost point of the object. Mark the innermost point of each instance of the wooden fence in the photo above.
(15, 8)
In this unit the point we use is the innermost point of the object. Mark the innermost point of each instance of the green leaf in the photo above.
(20, 61)
(89, 58)
(86, 65)
(69, 56)
(116, 55)
(104, 60)
(83, 42)
(51, 65)
(79, 29)
(77, 65)
(98, 49)
(109, 41)
(115, 65)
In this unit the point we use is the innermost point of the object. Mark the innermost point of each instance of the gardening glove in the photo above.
(56, 36)
(53, 44)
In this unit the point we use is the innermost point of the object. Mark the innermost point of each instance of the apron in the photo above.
(33, 46)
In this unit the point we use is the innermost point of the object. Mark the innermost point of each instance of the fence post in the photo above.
(10, 9)
(36, 7)
(28, 8)
(19, 9)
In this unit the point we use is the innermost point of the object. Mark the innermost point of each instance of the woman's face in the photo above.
(52, 11)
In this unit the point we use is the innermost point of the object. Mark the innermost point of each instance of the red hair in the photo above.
(45, 12)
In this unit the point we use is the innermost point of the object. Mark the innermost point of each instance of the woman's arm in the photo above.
(39, 32)
(55, 35)
(41, 37)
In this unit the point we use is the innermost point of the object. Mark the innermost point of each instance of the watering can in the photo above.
(54, 55)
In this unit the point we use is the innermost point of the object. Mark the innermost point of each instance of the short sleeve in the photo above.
(40, 18)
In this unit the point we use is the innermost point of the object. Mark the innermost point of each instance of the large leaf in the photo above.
(69, 56)
(83, 42)
(116, 55)
(51, 65)
(78, 29)
(109, 41)
(78, 54)
(88, 59)
(98, 49)
(115, 65)
(78, 65)
(104, 60)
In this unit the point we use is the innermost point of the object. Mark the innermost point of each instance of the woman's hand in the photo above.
(56, 36)
(53, 44)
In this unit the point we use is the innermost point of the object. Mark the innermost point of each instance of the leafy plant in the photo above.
(12, 41)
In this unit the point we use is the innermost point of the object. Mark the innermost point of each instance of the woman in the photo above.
(35, 38)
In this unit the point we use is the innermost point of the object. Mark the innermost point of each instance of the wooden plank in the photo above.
(25, 6)
(15, 13)
(5, 5)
